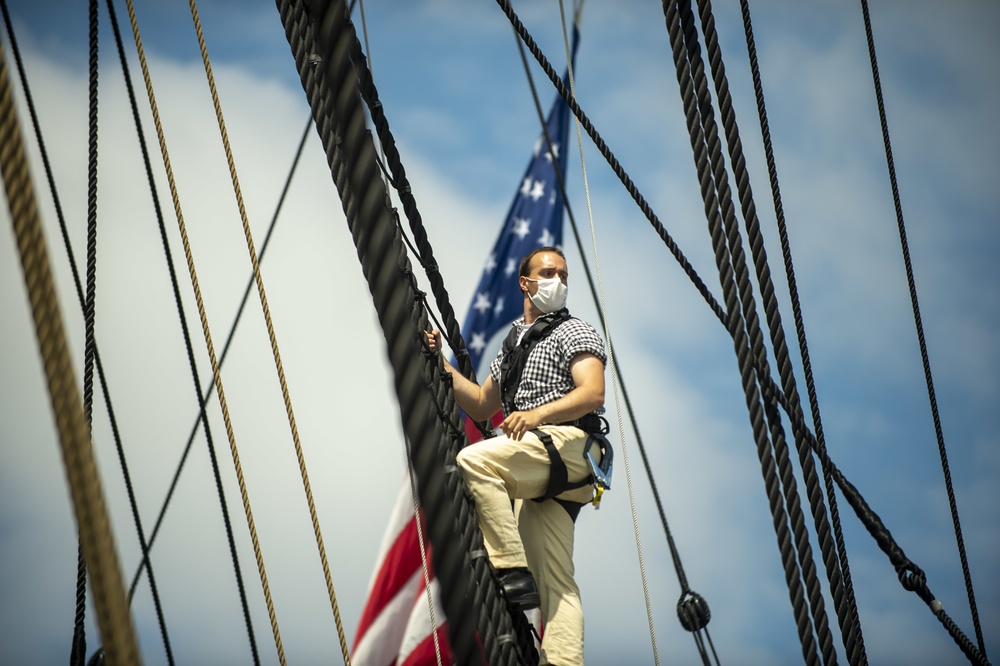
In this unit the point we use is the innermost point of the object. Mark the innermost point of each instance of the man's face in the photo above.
(544, 266)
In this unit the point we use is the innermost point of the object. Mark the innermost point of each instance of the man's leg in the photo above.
(496, 471)
(547, 531)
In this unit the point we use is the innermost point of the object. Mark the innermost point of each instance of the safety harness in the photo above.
(515, 356)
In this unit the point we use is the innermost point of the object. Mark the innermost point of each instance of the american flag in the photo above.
(395, 625)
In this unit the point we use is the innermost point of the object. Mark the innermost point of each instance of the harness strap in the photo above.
(558, 477)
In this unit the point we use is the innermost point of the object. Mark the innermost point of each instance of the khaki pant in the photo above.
(538, 535)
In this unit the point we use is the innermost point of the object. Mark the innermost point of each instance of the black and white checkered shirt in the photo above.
(546, 374)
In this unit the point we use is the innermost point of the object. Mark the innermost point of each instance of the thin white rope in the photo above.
(607, 329)
(423, 557)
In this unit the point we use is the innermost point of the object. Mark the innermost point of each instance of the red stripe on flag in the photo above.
(473, 432)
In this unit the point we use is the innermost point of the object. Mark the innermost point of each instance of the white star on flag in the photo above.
(482, 302)
(491, 263)
(498, 308)
(538, 190)
(546, 239)
(478, 343)
(511, 267)
(521, 227)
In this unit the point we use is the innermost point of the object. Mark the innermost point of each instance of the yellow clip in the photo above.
(597, 496)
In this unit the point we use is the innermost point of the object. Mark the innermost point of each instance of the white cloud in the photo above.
(678, 364)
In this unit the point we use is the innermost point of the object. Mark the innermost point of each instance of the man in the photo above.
(550, 390)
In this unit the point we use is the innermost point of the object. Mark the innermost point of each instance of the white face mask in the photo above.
(551, 295)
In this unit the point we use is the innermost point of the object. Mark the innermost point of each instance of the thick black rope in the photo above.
(911, 283)
(863, 512)
(690, 92)
(855, 648)
(145, 562)
(430, 416)
(848, 622)
(911, 576)
(424, 253)
(674, 552)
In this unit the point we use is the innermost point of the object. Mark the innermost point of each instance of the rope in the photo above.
(611, 359)
(71, 256)
(78, 651)
(299, 455)
(92, 518)
(853, 637)
(424, 566)
(613, 162)
(207, 335)
(674, 553)
(145, 562)
(844, 602)
(918, 323)
(910, 575)
(424, 252)
(429, 414)
(693, 90)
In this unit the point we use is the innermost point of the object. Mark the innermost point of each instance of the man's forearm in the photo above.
(468, 394)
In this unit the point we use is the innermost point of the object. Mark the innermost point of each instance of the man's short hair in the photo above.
(523, 272)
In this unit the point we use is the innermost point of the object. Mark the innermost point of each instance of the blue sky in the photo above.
(458, 102)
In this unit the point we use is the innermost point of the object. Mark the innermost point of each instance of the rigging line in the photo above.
(425, 254)
(612, 161)
(206, 394)
(330, 82)
(776, 329)
(803, 547)
(924, 357)
(71, 256)
(675, 554)
(254, 260)
(90, 509)
(779, 442)
(79, 646)
(911, 577)
(189, 347)
(424, 566)
(691, 92)
(611, 359)
(207, 333)
(678, 566)
(856, 652)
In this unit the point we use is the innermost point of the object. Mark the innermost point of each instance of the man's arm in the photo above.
(588, 375)
(479, 402)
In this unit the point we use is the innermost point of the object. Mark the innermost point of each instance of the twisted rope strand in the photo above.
(299, 454)
(779, 345)
(145, 563)
(105, 390)
(853, 636)
(735, 324)
(93, 522)
(918, 323)
(328, 77)
(210, 347)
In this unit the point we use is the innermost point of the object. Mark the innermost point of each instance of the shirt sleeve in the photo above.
(495, 367)
(581, 337)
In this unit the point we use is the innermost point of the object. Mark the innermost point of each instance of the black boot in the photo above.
(519, 587)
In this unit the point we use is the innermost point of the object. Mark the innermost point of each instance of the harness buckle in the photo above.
(600, 471)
